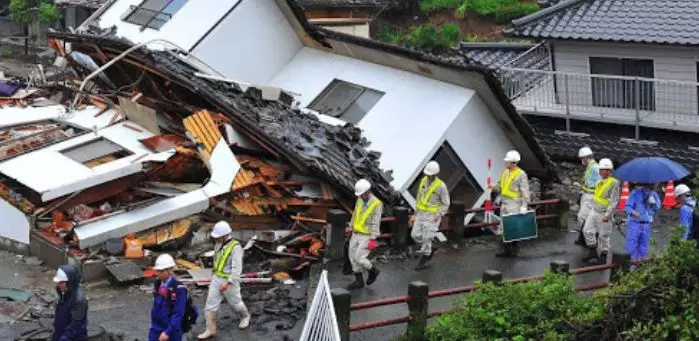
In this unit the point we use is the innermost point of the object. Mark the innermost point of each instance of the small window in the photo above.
(153, 13)
(96, 152)
(463, 187)
(346, 101)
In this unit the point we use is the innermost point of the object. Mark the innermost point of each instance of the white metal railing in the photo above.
(618, 99)
(321, 323)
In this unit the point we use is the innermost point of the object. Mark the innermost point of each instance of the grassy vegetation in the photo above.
(503, 10)
(433, 39)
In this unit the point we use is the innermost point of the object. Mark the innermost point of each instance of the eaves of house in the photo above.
(326, 4)
(672, 22)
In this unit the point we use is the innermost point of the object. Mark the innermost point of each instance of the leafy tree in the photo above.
(430, 38)
(31, 12)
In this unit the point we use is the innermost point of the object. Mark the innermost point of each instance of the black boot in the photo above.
(506, 251)
(358, 281)
(581, 238)
(602, 259)
(591, 254)
(423, 263)
(373, 273)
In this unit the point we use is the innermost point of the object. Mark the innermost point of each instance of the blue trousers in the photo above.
(155, 331)
(638, 240)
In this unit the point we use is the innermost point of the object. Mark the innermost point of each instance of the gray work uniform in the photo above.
(359, 242)
(594, 222)
(234, 267)
(425, 225)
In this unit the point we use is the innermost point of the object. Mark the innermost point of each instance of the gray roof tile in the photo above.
(494, 55)
(635, 21)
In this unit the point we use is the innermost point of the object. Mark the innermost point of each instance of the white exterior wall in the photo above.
(409, 122)
(185, 28)
(252, 44)
(669, 63)
(15, 225)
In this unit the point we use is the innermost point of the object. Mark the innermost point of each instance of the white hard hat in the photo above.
(221, 229)
(362, 186)
(681, 189)
(60, 276)
(432, 168)
(512, 156)
(606, 164)
(585, 152)
(164, 261)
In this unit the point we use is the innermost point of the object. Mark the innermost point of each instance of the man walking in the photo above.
(587, 188)
(431, 204)
(366, 223)
(599, 219)
(70, 320)
(513, 187)
(225, 283)
(642, 205)
(683, 196)
(169, 303)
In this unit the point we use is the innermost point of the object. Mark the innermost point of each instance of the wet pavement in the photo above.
(127, 310)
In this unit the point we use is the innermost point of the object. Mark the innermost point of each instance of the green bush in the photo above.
(527, 311)
(506, 14)
(488, 7)
(430, 38)
(439, 5)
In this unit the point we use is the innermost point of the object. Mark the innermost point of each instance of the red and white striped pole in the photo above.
(488, 203)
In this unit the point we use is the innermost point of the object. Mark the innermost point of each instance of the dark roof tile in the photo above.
(635, 21)
(314, 4)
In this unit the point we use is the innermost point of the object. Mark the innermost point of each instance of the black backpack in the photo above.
(191, 312)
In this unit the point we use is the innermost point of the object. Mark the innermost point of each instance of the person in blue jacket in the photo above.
(642, 205)
(683, 196)
(70, 320)
(169, 303)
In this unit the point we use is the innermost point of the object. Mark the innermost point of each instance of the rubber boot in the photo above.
(373, 273)
(358, 281)
(602, 259)
(242, 310)
(210, 331)
(591, 254)
(422, 264)
(581, 237)
(506, 251)
(514, 249)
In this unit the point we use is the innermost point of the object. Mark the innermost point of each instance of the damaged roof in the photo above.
(497, 54)
(339, 155)
(93, 4)
(629, 21)
(320, 4)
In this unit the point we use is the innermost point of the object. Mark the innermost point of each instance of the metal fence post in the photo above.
(622, 260)
(456, 222)
(335, 247)
(560, 267)
(565, 85)
(637, 92)
(399, 228)
(417, 304)
(492, 276)
(342, 302)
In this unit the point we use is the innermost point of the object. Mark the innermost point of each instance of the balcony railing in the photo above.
(637, 101)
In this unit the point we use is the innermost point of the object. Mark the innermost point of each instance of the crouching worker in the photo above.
(70, 320)
(225, 283)
(366, 223)
(171, 316)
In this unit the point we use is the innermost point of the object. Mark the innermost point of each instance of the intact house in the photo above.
(413, 107)
(625, 62)
(346, 16)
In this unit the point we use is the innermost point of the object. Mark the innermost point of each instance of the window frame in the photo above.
(133, 9)
(625, 97)
(336, 84)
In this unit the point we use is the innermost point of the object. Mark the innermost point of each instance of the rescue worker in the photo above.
(513, 188)
(225, 283)
(587, 188)
(365, 223)
(70, 320)
(642, 205)
(683, 196)
(168, 304)
(431, 204)
(604, 202)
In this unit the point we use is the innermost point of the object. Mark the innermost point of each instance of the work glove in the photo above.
(372, 244)
(523, 210)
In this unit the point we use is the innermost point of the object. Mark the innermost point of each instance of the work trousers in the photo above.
(585, 207)
(593, 225)
(424, 230)
(359, 252)
(637, 239)
(510, 206)
(231, 295)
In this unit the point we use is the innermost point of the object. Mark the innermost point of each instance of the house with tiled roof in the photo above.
(347, 16)
(632, 62)
(412, 107)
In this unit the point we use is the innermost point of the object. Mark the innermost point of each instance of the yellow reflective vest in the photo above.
(506, 180)
(221, 257)
(601, 188)
(423, 197)
(360, 216)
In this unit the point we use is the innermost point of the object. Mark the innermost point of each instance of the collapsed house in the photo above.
(146, 137)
